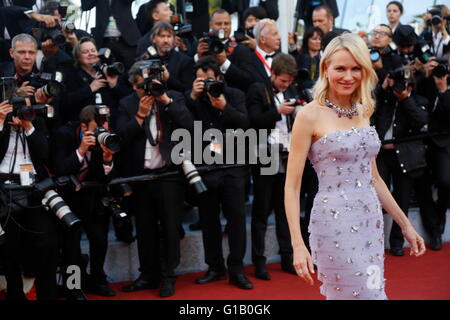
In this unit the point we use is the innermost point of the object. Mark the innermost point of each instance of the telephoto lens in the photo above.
(193, 176)
(53, 201)
(213, 87)
(108, 139)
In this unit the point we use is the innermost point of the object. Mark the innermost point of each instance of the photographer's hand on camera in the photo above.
(202, 48)
(429, 66)
(50, 21)
(165, 74)
(111, 80)
(5, 109)
(250, 42)
(71, 37)
(145, 106)
(98, 83)
(107, 154)
(286, 108)
(197, 88)
(180, 44)
(219, 103)
(25, 90)
(87, 141)
(41, 97)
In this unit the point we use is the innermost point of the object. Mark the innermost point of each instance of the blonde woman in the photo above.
(347, 241)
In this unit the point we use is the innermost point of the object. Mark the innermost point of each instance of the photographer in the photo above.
(383, 51)
(269, 108)
(220, 107)
(234, 59)
(250, 19)
(90, 81)
(78, 151)
(438, 39)
(146, 121)
(308, 60)
(30, 231)
(179, 66)
(400, 114)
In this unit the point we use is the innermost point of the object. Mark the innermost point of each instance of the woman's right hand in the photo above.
(98, 83)
(303, 264)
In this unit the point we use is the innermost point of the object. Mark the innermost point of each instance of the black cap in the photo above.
(405, 36)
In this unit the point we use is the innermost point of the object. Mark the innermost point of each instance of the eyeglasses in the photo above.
(380, 33)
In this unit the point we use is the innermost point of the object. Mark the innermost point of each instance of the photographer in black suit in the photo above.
(30, 231)
(180, 72)
(76, 150)
(146, 121)
(115, 27)
(222, 109)
(270, 6)
(399, 114)
(234, 59)
(269, 108)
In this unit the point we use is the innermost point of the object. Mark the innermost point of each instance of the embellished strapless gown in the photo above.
(346, 226)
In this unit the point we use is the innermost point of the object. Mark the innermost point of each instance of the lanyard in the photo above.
(263, 60)
(19, 133)
(158, 139)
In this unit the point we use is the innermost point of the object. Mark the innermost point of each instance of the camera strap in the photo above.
(147, 123)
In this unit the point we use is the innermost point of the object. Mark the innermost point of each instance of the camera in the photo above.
(213, 39)
(56, 204)
(107, 65)
(181, 30)
(423, 52)
(51, 83)
(103, 136)
(193, 176)
(401, 77)
(42, 33)
(240, 34)
(150, 54)
(150, 72)
(114, 207)
(443, 68)
(28, 113)
(304, 97)
(214, 87)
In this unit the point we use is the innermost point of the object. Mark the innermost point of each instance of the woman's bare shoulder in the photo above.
(310, 112)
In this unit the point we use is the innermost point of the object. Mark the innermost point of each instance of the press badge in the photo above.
(26, 174)
(188, 7)
(215, 146)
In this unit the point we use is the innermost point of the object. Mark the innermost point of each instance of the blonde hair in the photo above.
(358, 49)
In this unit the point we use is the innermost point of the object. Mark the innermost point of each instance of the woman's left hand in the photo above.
(417, 243)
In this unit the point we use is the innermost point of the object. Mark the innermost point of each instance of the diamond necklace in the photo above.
(341, 112)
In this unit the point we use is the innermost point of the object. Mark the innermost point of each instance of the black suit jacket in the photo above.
(261, 106)
(259, 72)
(37, 143)
(305, 9)
(239, 74)
(181, 69)
(411, 116)
(65, 160)
(121, 11)
(176, 115)
(271, 7)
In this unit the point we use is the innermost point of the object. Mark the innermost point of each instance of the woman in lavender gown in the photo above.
(333, 131)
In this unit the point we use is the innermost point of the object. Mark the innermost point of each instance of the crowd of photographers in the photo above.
(80, 111)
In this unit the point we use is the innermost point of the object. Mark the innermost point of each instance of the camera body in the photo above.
(213, 39)
(240, 34)
(28, 113)
(150, 72)
(214, 87)
(107, 65)
(51, 83)
(376, 53)
(102, 135)
(443, 68)
(42, 33)
(401, 77)
(181, 30)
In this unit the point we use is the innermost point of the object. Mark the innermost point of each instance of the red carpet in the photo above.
(408, 278)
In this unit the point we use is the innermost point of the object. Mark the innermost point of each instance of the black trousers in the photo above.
(439, 159)
(87, 205)
(268, 195)
(158, 208)
(227, 191)
(122, 51)
(403, 185)
(32, 230)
